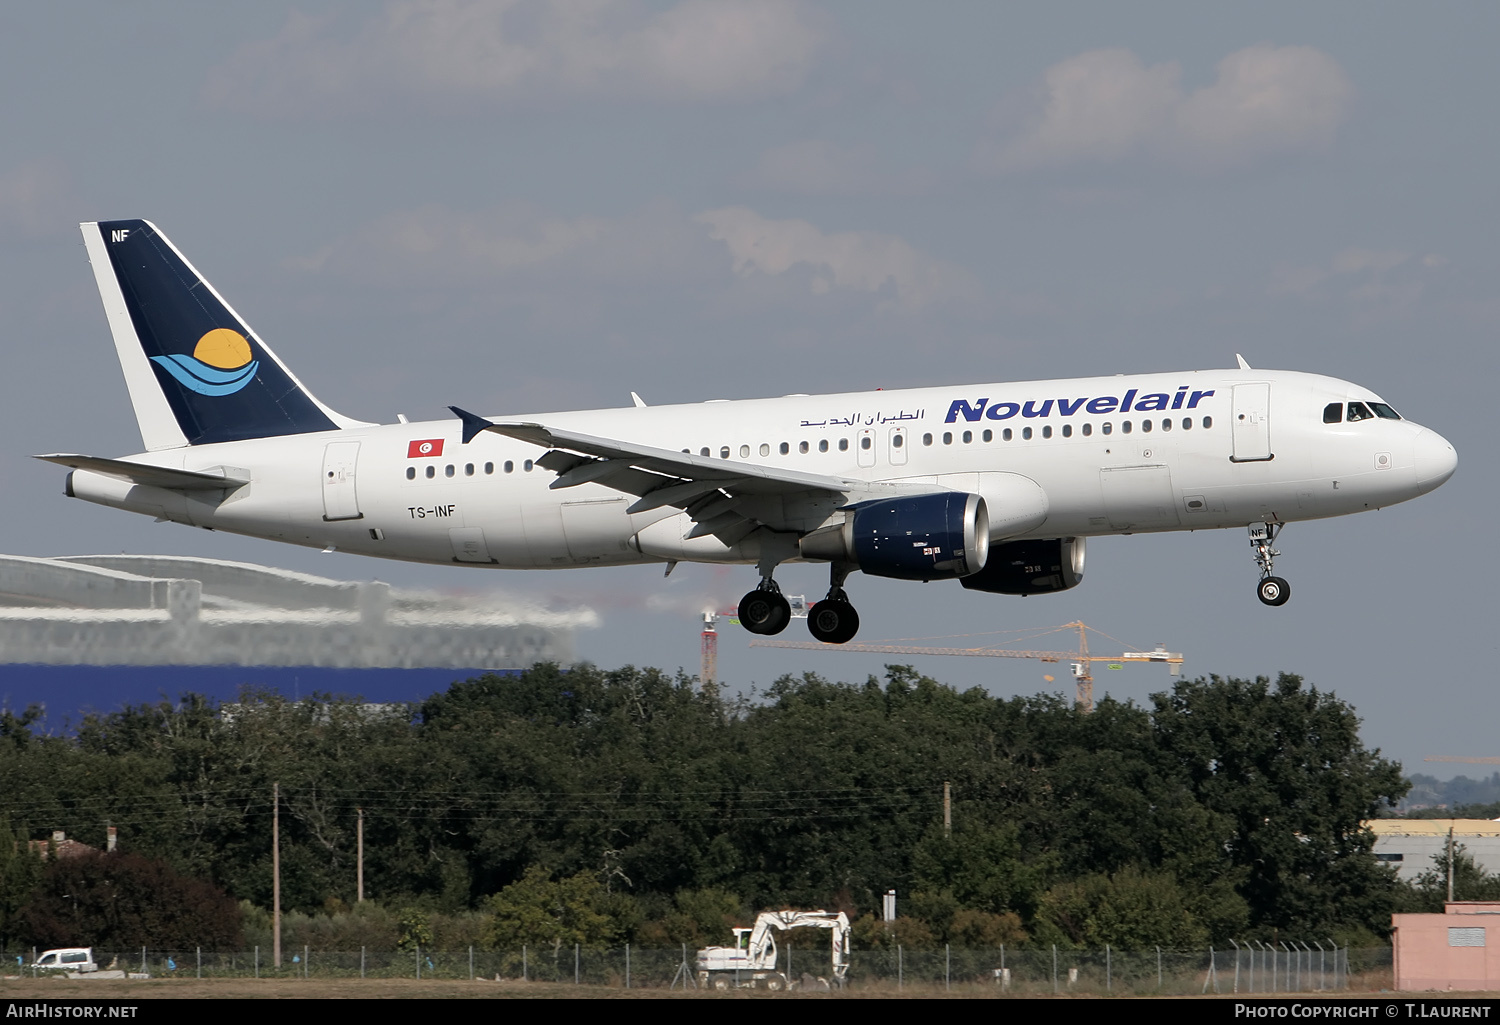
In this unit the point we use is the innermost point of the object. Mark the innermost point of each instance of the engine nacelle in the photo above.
(912, 537)
(1031, 567)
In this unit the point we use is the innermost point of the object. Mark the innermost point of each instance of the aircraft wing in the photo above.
(152, 476)
(725, 497)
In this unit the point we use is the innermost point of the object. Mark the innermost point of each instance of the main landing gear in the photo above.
(764, 610)
(1272, 590)
(833, 620)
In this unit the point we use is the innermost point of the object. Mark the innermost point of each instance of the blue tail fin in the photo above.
(197, 373)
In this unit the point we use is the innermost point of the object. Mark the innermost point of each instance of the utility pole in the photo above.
(1450, 864)
(360, 894)
(276, 873)
(947, 811)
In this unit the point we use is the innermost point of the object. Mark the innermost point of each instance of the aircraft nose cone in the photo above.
(1435, 460)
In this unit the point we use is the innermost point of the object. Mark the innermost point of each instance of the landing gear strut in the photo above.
(1272, 590)
(833, 620)
(764, 610)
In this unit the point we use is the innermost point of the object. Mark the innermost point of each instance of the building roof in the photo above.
(1433, 827)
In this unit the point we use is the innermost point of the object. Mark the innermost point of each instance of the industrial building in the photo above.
(1409, 845)
(73, 628)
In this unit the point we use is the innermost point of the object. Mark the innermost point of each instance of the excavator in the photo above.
(751, 962)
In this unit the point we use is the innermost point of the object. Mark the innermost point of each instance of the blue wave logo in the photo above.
(221, 364)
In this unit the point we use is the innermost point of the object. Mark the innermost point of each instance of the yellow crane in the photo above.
(1082, 659)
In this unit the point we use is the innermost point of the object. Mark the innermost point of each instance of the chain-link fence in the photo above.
(1252, 967)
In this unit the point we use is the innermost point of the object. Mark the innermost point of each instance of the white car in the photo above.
(67, 959)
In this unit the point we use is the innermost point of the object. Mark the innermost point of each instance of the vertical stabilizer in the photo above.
(196, 372)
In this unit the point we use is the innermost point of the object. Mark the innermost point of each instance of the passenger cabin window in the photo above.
(927, 439)
(785, 448)
(431, 472)
(1359, 411)
(411, 473)
(802, 448)
(844, 444)
(1333, 413)
(823, 445)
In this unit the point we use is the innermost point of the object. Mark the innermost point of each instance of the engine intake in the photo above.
(913, 537)
(1031, 567)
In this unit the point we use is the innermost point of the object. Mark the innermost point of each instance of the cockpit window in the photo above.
(1384, 412)
(1359, 411)
(1333, 413)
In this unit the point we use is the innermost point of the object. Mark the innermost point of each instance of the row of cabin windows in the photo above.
(866, 442)
(1087, 430)
(898, 440)
(430, 471)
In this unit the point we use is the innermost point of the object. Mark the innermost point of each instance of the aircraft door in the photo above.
(340, 495)
(866, 447)
(1251, 423)
(898, 446)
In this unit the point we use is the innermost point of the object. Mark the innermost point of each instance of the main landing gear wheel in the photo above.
(1274, 591)
(764, 611)
(833, 621)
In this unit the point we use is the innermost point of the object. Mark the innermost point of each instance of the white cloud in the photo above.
(437, 247)
(515, 252)
(1106, 106)
(816, 167)
(857, 260)
(1375, 281)
(495, 50)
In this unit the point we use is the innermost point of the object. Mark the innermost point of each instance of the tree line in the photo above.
(594, 806)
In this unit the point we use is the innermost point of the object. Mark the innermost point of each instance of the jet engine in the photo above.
(911, 537)
(1030, 567)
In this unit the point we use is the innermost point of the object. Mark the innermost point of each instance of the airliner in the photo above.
(995, 485)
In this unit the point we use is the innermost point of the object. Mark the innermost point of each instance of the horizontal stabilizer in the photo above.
(151, 476)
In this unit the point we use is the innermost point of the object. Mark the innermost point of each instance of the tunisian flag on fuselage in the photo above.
(424, 449)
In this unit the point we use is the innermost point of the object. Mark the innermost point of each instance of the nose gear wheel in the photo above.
(1272, 590)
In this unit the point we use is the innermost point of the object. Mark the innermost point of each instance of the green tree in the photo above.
(1284, 766)
(1129, 910)
(121, 900)
(543, 913)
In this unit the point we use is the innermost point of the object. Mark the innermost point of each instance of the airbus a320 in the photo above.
(996, 486)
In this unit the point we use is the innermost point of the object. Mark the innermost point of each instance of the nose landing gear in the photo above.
(1272, 590)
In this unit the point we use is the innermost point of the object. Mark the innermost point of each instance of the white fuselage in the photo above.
(1202, 464)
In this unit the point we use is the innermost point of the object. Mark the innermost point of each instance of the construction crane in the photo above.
(708, 672)
(1476, 760)
(1082, 660)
